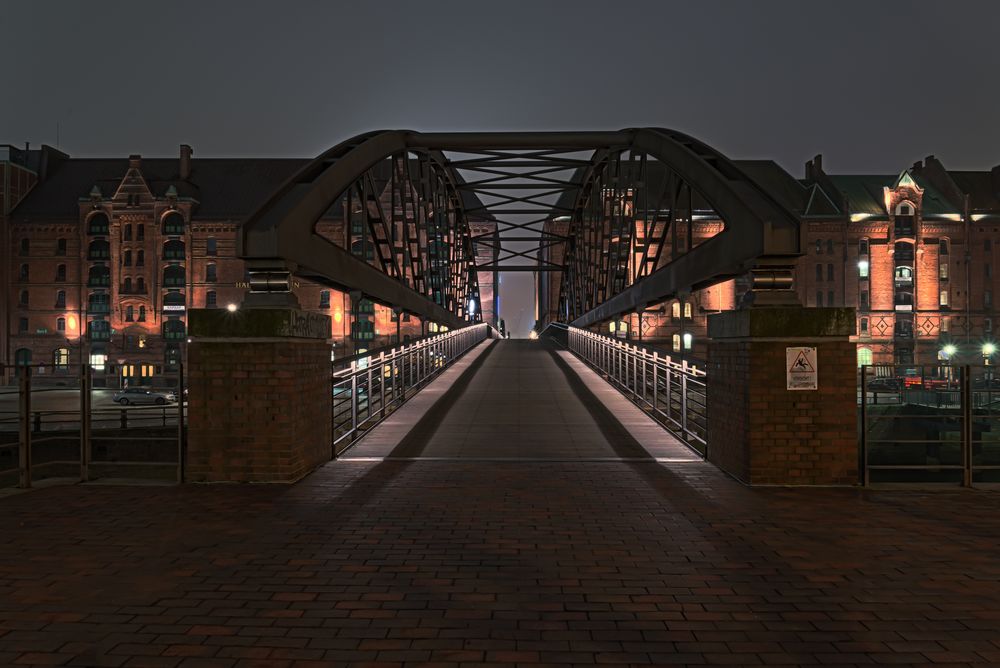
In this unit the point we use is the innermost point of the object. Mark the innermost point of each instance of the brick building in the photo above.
(913, 252)
(103, 258)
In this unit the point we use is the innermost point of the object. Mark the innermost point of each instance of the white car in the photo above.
(133, 396)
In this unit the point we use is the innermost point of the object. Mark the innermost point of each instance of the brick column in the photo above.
(759, 431)
(258, 395)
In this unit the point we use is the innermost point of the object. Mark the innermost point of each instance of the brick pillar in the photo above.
(759, 431)
(258, 395)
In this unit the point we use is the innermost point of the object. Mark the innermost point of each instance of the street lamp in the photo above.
(948, 351)
(232, 308)
(988, 350)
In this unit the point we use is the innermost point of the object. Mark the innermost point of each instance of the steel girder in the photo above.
(622, 192)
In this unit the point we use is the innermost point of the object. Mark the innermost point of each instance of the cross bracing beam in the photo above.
(628, 199)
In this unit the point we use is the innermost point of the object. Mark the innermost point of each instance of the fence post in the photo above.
(354, 397)
(36, 421)
(966, 395)
(85, 402)
(24, 399)
(123, 419)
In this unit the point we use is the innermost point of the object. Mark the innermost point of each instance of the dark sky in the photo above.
(873, 85)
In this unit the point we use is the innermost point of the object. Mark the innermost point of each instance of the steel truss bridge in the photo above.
(614, 212)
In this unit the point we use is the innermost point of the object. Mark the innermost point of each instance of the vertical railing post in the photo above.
(863, 440)
(966, 395)
(684, 397)
(24, 443)
(181, 432)
(656, 371)
(354, 397)
(85, 404)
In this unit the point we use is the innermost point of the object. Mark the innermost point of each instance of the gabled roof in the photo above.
(866, 193)
(223, 187)
(819, 204)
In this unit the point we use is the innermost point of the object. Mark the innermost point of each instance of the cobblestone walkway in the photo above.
(452, 562)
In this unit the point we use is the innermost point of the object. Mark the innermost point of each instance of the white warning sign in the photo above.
(801, 369)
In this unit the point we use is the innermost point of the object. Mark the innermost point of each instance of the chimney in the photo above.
(185, 169)
(134, 161)
(818, 163)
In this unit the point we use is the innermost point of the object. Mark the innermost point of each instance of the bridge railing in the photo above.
(670, 389)
(368, 388)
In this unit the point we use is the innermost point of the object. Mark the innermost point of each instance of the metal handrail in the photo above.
(368, 388)
(673, 391)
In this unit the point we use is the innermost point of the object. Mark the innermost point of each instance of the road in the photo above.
(59, 408)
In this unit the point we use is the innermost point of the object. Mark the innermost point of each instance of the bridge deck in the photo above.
(520, 400)
(570, 552)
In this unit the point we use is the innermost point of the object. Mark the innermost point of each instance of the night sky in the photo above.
(874, 86)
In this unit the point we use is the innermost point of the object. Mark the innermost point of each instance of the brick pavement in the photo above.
(458, 562)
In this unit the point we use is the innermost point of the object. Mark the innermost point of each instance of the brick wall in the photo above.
(259, 410)
(770, 435)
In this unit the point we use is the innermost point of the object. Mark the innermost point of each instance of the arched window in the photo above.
(127, 232)
(819, 272)
(173, 250)
(61, 324)
(210, 273)
(127, 285)
(676, 341)
(829, 272)
(173, 298)
(173, 224)
(173, 329)
(687, 309)
(904, 226)
(23, 273)
(97, 224)
(140, 258)
(99, 277)
(864, 356)
(142, 314)
(829, 246)
(903, 251)
(99, 249)
(60, 299)
(60, 246)
(904, 274)
(60, 358)
(943, 246)
(675, 310)
(140, 285)
(173, 276)
(129, 313)
(60, 273)
(22, 299)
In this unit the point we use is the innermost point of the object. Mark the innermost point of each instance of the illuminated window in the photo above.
(943, 271)
(862, 268)
(60, 358)
(864, 356)
(688, 341)
(676, 339)
(97, 361)
(687, 309)
(675, 310)
(943, 298)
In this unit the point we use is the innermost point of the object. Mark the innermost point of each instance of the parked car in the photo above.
(885, 384)
(133, 396)
(986, 383)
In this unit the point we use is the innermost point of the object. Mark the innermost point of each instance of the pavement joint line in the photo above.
(670, 460)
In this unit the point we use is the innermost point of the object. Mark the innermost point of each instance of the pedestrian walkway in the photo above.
(520, 400)
(590, 547)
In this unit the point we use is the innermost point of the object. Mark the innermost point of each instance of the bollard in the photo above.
(124, 418)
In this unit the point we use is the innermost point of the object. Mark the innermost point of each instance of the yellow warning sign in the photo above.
(801, 369)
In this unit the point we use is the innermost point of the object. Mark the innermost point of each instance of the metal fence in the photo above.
(367, 388)
(929, 424)
(61, 426)
(670, 389)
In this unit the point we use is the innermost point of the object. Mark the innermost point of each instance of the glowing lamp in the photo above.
(948, 350)
(989, 349)
(338, 315)
(231, 308)
(71, 322)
